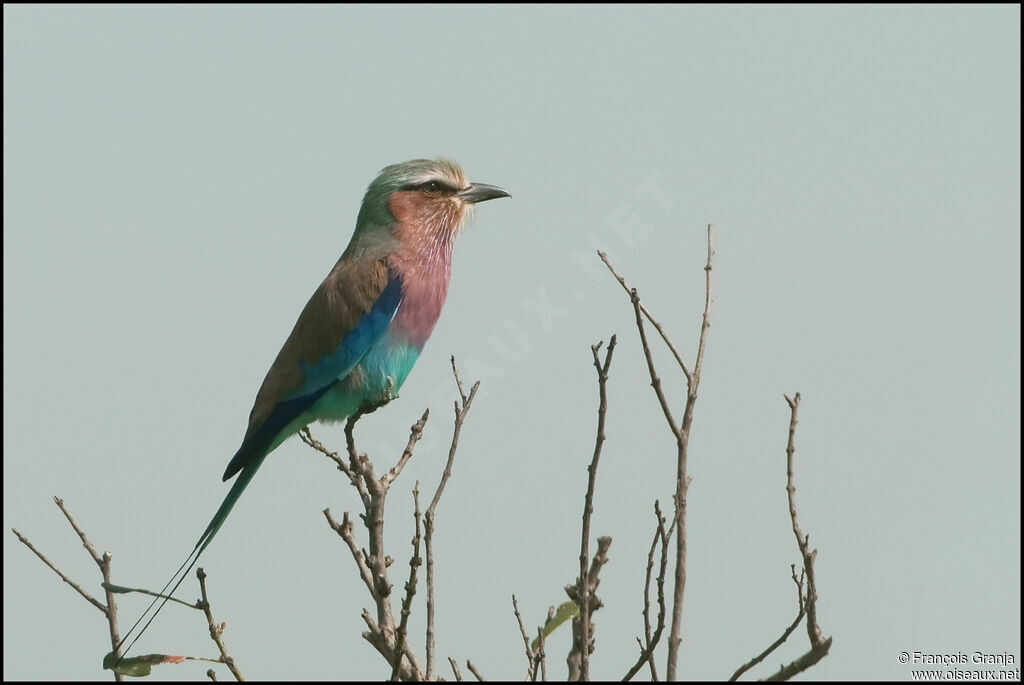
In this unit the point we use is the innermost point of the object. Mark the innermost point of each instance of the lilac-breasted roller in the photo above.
(359, 335)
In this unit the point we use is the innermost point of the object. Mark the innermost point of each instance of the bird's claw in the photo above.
(389, 392)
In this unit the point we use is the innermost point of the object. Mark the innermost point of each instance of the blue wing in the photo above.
(347, 314)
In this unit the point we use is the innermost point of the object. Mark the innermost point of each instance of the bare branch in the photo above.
(682, 479)
(216, 631)
(771, 648)
(344, 529)
(540, 657)
(460, 416)
(383, 642)
(813, 630)
(592, 580)
(307, 437)
(376, 490)
(410, 587)
(583, 587)
(819, 645)
(103, 562)
(646, 313)
(785, 635)
(462, 393)
(473, 670)
(813, 656)
(647, 653)
(81, 534)
(655, 380)
(680, 432)
(531, 674)
(455, 669)
(372, 562)
(415, 433)
(78, 588)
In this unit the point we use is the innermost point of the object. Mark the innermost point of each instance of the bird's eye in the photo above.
(433, 187)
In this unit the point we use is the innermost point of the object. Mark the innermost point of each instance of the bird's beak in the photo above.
(481, 192)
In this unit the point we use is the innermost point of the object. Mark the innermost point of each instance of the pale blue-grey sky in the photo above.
(178, 180)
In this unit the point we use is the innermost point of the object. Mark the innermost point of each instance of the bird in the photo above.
(364, 327)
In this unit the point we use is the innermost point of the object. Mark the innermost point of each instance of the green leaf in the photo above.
(123, 590)
(117, 589)
(138, 666)
(564, 612)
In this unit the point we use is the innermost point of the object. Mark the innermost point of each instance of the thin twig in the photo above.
(414, 436)
(81, 534)
(819, 645)
(216, 631)
(307, 437)
(372, 562)
(682, 479)
(655, 380)
(78, 588)
(771, 648)
(785, 635)
(647, 652)
(530, 672)
(410, 587)
(455, 669)
(592, 580)
(583, 588)
(375, 561)
(472, 669)
(376, 490)
(680, 432)
(103, 562)
(383, 642)
(345, 530)
(657, 326)
(460, 417)
(540, 656)
(428, 522)
(813, 630)
(458, 383)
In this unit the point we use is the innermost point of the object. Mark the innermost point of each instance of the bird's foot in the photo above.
(386, 395)
(389, 393)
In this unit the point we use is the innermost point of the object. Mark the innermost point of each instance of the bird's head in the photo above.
(425, 198)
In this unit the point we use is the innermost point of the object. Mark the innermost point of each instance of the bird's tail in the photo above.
(216, 522)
